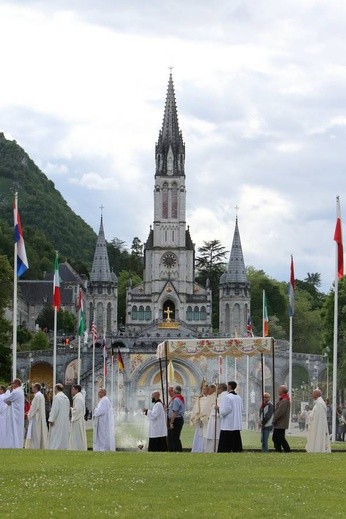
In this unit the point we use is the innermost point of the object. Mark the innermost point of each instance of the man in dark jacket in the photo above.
(281, 420)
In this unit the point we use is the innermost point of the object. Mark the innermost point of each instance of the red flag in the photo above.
(56, 285)
(338, 239)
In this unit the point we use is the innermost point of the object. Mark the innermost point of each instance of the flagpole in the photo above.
(78, 372)
(93, 375)
(290, 353)
(15, 284)
(263, 310)
(54, 345)
(118, 396)
(112, 382)
(247, 391)
(339, 272)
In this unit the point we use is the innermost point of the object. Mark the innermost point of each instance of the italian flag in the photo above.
(81, 320)
(265, 316)
(56, 285)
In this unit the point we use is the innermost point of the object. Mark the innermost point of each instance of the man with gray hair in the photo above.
(176, 410)
(318, 433)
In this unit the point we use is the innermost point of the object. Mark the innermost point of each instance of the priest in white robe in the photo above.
(318, 434)
(211, 437)
(59, 420)
(37, 435)
(157, 418)
(15, 417)
(3, 417)
(230, 410)
(104, 431)
(78, 439)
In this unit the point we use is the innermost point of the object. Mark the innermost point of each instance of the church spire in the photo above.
(236, 272)
(100, 270)
(170, 148)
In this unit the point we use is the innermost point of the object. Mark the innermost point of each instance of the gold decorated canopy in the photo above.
(235, 347)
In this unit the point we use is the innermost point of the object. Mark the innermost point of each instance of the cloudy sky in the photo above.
(261, 94)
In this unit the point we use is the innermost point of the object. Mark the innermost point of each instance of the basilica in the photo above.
(167, 304)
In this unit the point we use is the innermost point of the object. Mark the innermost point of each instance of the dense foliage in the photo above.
(48, 222)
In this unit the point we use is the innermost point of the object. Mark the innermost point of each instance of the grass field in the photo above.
(45, 484)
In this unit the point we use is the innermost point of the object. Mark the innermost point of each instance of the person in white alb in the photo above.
(104, 433)
(37, 435)
(59, 420)
(211, 439)
(318, 433)
(3, 417)
(15, 416)
(157, 425)
(78, 439)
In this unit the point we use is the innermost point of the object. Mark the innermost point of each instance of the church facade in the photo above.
(167, 304)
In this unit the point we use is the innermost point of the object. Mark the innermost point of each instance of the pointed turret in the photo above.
(100, 270)
(170, 148)
(236, 272)
(234, 292)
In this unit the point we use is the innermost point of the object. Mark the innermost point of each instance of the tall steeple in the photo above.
(234, 292)
(100, 270)
(170, 148)
(102, 289)
(236, 272)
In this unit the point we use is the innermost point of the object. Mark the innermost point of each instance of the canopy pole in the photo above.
(273, 369)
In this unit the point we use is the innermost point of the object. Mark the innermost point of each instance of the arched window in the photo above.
(196, 314)
(203, 314)
(134, 314)
(174, 200)
(189, 314)
(141, 313)
(109, 317)
(165, 201)
(147, 314)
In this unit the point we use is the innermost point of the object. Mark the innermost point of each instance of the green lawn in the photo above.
(45, 484)
(129, 434)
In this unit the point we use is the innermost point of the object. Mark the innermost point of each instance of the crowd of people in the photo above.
(63, 429)
(217, 416)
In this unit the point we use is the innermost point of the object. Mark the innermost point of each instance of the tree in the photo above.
(277, 305)
(66, 321)
(6, 287)
(327, 318)
(39, 341)
(210, 264)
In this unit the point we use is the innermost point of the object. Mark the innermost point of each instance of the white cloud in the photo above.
(261, 94)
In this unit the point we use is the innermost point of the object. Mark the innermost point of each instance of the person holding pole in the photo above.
(281, 420)
(266, 420)
(211, 440)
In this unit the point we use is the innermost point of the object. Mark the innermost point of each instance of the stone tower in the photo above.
(234, 292)
(102, 291)
(169, 292)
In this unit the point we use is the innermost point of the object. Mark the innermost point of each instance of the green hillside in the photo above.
(49, 224)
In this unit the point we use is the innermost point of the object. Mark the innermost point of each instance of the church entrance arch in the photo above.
(168, 311)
